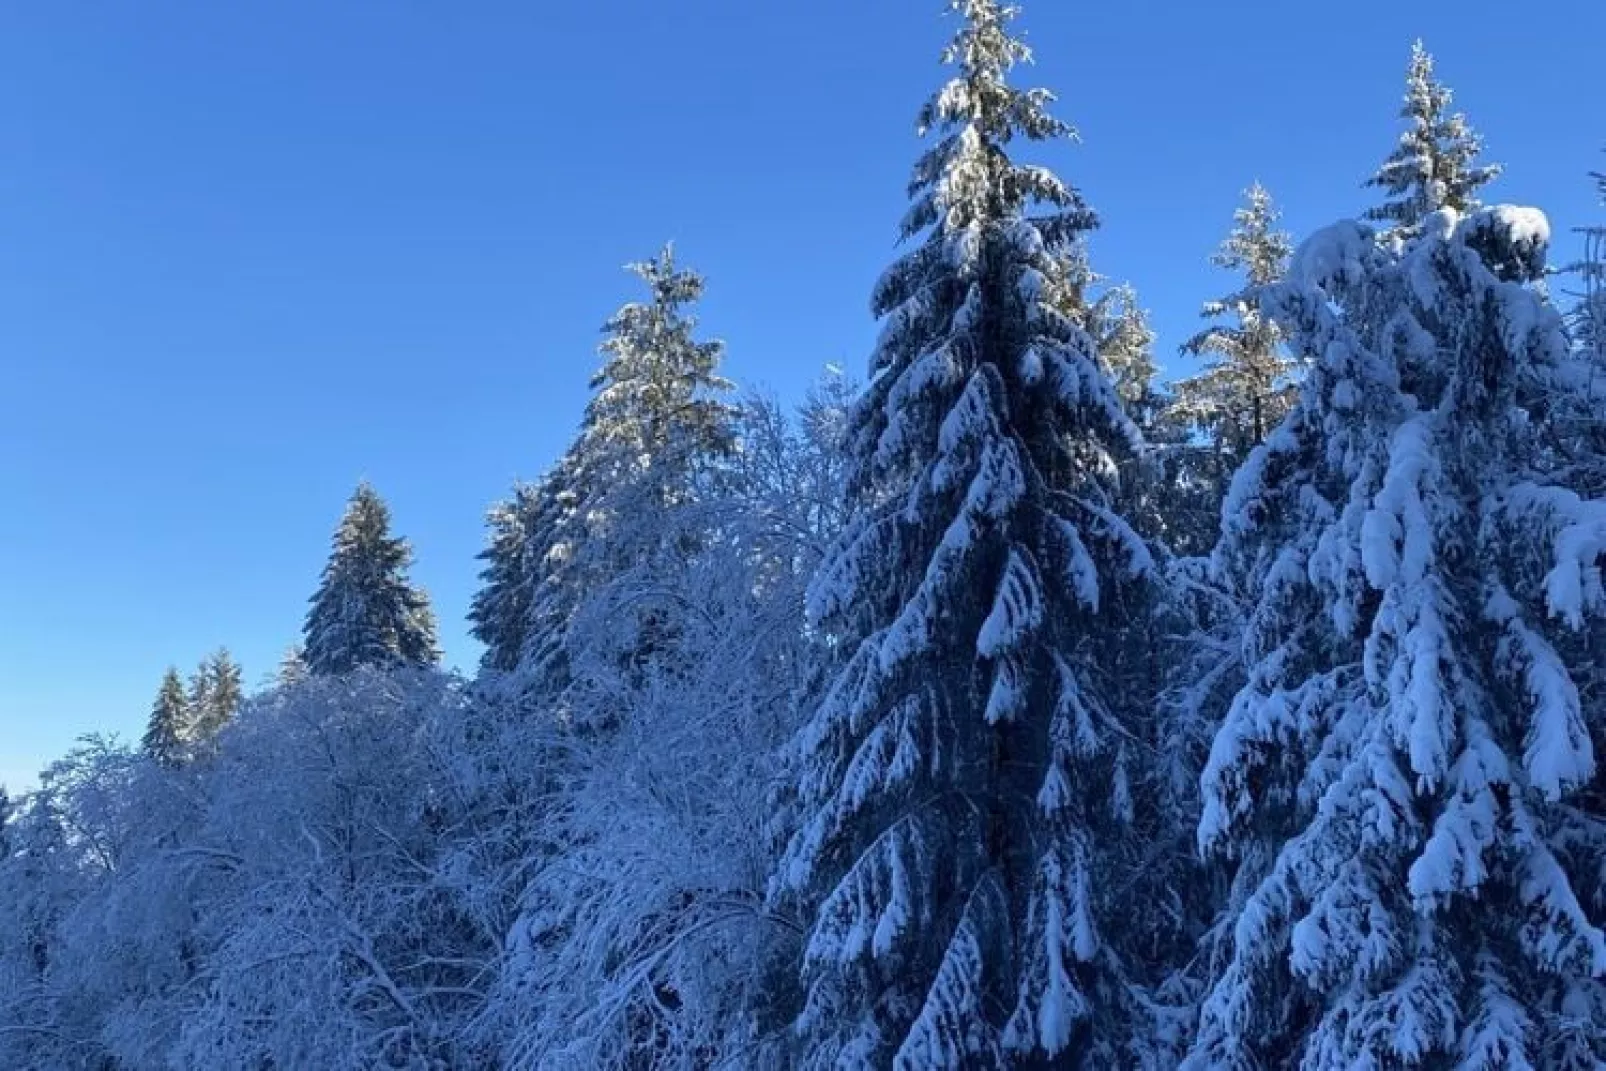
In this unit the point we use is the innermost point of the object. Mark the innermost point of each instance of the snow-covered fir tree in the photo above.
(1214, 418)
(658, 409)
(1119, 327)
(216, 692)
(1398, 781)
(964, 782)
(169, 730)
(1589, 315)
(1435, 164)
(366, 611)
(5, 820)
(500, 614)
(1247, 386)
(654, 435)
(292, 666)
(657, 426)
(1125, 344)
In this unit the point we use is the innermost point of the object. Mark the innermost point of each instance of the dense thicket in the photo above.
(1014, 709)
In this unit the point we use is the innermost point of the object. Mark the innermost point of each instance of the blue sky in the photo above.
(253, 252)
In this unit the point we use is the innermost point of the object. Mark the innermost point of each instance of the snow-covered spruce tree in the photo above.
(500, 613)
(1435, 164)
(292, 667)
(964, 786)
(366, 612)
(1246, 388)
(657, 415)
(1119, 328)
(654, 438)
(1589, 316)
(656, 429)
(168, 731)
(216, 692)
(1157, 493)
(1396, 782)
(1213, 419)
(529, 588)
(1125, 343)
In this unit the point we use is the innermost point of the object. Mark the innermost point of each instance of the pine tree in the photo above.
(1245, 389)
(963, 781)
(366, 612)
(1589, 316)
(217, 695)
(5, 822)
(170, 730)
(500, 614)
(1434, 165)
(554, 541)
(292, 667)
(657, 420)
(1119, 328)
(1125, 344)
(654, 436)
(1397, 782)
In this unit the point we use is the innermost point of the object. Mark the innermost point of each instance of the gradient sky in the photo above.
(252, 252)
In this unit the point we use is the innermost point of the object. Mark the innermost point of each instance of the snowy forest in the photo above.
(1001, 706)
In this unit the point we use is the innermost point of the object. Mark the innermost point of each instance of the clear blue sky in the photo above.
(252, 252)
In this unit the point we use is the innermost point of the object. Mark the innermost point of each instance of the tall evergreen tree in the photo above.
(366, 612)
(1119, 328)
(1125, 343)
(217, 694)
(5, 821)
(962, 784)
(658, 418)
(500, 614)
(1216, 417)
(1435, 164)
(1398, 780)
(292, 667)
(1245, 389)
(170, 729)
(1589, 317)
(654, 435)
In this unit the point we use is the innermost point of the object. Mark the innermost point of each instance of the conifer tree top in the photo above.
(169, 730)
(1245, 390)
(366, 611)
(1256, 247)
(1434, 165)
(967, 179)
(657, 381)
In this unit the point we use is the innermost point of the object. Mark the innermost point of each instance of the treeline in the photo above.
(1009, 709)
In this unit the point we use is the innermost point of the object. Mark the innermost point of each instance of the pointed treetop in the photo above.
(1256, 247)
(1434, 165)
(222, 690)
(366, 612)
(292, 666)
(169, 731)
(669, 287)
(500, 613)
(657, 404)
(966, 179)
(1246, 388)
